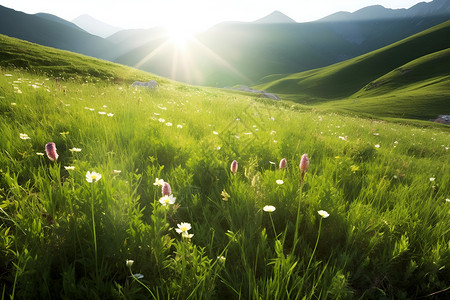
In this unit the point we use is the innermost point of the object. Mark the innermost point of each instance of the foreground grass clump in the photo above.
(369, 220)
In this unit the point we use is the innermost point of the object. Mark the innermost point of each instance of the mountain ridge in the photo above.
(95, 26)
(275, 17)
(232, 53)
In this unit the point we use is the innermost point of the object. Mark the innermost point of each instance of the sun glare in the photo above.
(180, 37)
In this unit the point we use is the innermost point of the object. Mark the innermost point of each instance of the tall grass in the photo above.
(384, 185)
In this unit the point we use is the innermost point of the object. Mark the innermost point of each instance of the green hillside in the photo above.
(52, 31)
(15, 53)
(139, 197)
(422, 59)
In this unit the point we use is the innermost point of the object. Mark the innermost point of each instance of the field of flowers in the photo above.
(114, 192)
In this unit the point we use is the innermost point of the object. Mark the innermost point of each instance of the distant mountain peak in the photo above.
(94, 26)
(275, 17)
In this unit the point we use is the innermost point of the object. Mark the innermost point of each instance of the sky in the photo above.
(195, 15)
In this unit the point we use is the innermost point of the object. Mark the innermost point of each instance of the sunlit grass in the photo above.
(366, 221)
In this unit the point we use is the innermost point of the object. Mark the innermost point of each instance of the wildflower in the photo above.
(377, 146)
(432, 178)
(183, 227)
(279, 181)
(304, 164)
(168, 124)
(225, 195)
(234, 167)
(179, 126)
(165, 189)
(215, 132)
(102, 113)
(129, 263)
(283, 163)
(395, 177)
(269, 208)
(50, 149)
(323, 214)
(110, 115)
(13, 103)
(138, 275)
(40, 153)
(221, 258)
(165, 200)
(447, 200)
(69, 167)
(159, 182)
(75, 150)
(161, 120)
(93, 177)
(272, 163)
(354, 168)
(187, 235)
(116, 172)
(24, 136)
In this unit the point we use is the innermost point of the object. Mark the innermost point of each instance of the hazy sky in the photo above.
(195, 14)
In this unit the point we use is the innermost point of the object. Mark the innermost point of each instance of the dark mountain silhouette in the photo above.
(47, 32)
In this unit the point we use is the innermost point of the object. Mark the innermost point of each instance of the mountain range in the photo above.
(95, 26)
(236, 52)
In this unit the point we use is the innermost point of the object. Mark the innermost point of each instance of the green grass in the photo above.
(384, 183)
(63, 237)
(392, 75)
(38, 59)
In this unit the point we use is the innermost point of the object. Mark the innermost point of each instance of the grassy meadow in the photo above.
(385, 186)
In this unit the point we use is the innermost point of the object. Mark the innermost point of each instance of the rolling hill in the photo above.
(16, 53)
(254, 50)
(399, 70)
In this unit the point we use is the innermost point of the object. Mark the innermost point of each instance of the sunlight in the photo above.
(180, 37)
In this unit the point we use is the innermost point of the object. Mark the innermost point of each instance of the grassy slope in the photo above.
(345, 79)
(60, 63)
(385, 236)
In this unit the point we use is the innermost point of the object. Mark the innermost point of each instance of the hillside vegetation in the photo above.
(367, 218)
(15, 53)
(393, 73)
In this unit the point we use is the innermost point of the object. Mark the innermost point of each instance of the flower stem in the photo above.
(94, 231)
(297, 221)
(315, 247)
(273, 226)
